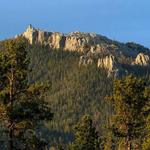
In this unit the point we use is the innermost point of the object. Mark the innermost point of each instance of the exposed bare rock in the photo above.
(77, 41)
(74, 41)
(111, 55)
(110, 64)
(142, 60)
(57, 40)
(85, 60)
(99, 48)
(36, 36)
(29, 34)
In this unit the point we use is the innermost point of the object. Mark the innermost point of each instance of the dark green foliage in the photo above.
(146, 139)
(22, 105)
(86, 136)
(75, 91)
(137, 47)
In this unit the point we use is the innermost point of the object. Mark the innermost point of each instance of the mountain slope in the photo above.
(111, 55)
(78, 82)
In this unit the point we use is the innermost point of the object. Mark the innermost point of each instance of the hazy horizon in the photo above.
(117, 19)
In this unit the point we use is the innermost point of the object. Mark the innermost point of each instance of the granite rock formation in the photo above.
(142, 60)
(108, 54)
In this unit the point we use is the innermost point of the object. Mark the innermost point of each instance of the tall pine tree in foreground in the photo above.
(22, 106)
(130, 101)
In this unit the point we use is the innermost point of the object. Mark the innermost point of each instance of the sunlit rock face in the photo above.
(84, 60)
(29, 34)
(34, 35)
(74, 41)
(56, 40)
(93, 48)
(110, 64)
(79, 41)
(142, 60)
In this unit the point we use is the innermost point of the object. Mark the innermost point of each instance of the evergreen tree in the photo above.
(129, 99)
(21, 105)
(86, 136)
(146, 139)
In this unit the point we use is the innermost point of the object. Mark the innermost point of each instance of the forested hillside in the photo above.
(72, 91)
(75, 90)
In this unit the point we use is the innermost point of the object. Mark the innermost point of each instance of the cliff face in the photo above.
(111, 64)
(108, 54)
(74, 41)
(142, 60)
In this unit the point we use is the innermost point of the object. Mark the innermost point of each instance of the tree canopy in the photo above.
(86, 136)
(129, 100)
(22, 105)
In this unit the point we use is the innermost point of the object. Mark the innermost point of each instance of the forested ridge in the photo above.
(83, 96)
(75, 90)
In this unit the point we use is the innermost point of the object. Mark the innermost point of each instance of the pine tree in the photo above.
(21, 105)
(129, 99)
(146, 139)
(86, 136)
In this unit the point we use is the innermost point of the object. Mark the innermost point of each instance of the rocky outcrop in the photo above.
(56, 40)
(74, 41)
(35, 36)
(93, 48)
(142, 60)
(85, 60)
(110, 64)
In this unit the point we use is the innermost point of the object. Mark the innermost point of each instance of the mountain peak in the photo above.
(107, 53)
(30, 26)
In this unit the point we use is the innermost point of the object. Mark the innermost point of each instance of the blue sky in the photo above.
(122, 20)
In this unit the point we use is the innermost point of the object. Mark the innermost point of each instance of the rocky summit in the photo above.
(94, 48)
